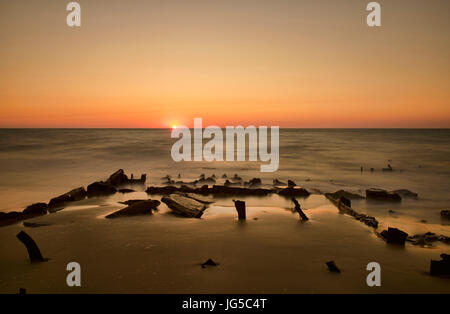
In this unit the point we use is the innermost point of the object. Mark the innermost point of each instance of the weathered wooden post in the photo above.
(33, 250)
(240, 207)
(298, 209)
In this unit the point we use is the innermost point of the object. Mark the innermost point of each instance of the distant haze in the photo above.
(290, 63)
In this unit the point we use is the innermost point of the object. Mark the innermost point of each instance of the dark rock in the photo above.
(167, 180)
(345, 201)
(126, 190)
(348, 195)
(209, 262)
(161, 190)
(100, 188)
(441, 268)
(253, 183)
(236, 178)
(130, 202)
(291, 184)
(389, 168)
(332, 267)
(240, 208)
(37, 209)
(394, 236)
(445, 214)
(184, 206)
(382, 195)
(224, 176)
(30, 224)
(209, 180)
(406, 193)
(61, 201)
(33, 251)
(228, 183)
(427, 239)
(277, 183)
(118, 178)
(232, 191)
(205, 189)
(144, 207)
(294, 191)
(10, 218)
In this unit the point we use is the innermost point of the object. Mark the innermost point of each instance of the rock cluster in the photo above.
(382, 195)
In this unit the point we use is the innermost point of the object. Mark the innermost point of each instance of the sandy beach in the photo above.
(271, 252)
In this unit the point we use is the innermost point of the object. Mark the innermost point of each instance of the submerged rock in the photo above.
(37, 209)
(291, 184)
(293, 191)
(382, 195)
(100, 188)
(31, 224)
(203, 180)
(228, 183)
(236, 178)
(209, 262)
(10, 218)
(348, 195)
(59, 202)
(126, 191)
(427, 239)
(345, 201)
(143, 207)
(394, 236)
(333, 267)
(184, 206)
(389, 168)
(277, 183)
(440, 268)
(119, 178)
(253, 183)
(205, 189)
(406, 193)
(445, 214)
(129, 202)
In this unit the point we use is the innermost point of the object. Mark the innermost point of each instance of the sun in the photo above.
(174, 127)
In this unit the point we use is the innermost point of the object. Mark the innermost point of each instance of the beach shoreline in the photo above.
(272, 251)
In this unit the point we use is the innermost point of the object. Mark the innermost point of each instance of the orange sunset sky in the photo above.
(290, 63)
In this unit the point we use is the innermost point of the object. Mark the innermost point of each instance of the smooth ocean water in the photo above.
(38, 164)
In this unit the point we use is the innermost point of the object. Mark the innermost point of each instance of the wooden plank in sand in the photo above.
(184, 206)
(339, 203)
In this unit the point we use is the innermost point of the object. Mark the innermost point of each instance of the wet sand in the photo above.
(271, 252)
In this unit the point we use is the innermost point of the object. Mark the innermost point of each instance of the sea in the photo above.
(38, 164)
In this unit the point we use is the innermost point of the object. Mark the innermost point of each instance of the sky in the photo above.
(290, 63)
